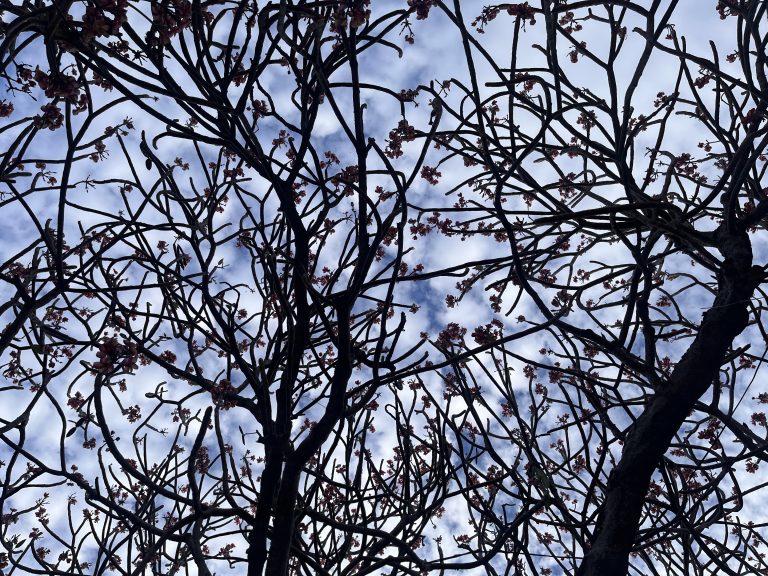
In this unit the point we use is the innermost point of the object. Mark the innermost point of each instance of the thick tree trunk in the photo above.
(649, 438)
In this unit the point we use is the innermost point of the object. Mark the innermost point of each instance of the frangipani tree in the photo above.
(287, 290)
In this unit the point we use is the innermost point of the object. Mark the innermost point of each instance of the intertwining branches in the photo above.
(277, 301)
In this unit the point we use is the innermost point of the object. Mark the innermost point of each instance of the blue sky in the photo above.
(435, 56)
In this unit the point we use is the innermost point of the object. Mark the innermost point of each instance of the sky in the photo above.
(436, 55)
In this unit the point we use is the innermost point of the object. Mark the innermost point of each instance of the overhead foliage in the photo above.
(382, 287)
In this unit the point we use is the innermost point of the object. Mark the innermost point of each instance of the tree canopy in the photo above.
(383, 287)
